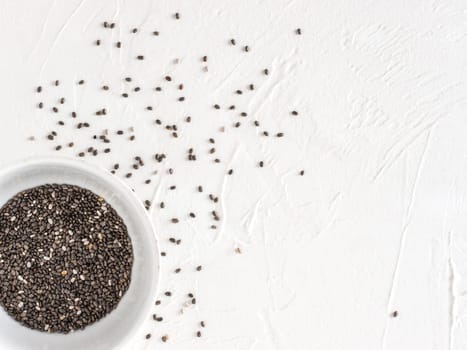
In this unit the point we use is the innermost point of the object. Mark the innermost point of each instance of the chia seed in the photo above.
(69, 252)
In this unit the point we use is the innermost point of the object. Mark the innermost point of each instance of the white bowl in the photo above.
(115, 330)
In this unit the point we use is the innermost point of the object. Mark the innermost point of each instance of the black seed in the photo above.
(57, 82)
(112, 25)
(168, 294)
(202, 324)
(134, 30)
(298, 31)
(256, 123)
(243, 114)
(230, 172)
(232, 107)
(246, 48)
(39, 89)
(148, 335)
(217, 106)
(177, 270)
(168, 78)
(232, 41)
(128, 175)
(177, 15)
(118, 44)
(155, 33)
(98, 42)
(55, 109)
(40, 105)
(71, 144)
(140, 57)
(181, 99)
(164, 338)
(294, 113)
(302, 172)
(280, 134)
(394, 314)
(199, 268)
(158, 88)
(198, 334)
(105, 87)
(174, 220)
(81, 82)
(58, 148)
(125, 95)
(93, 278)
(261, 164)
(128, 79)
(200, 188)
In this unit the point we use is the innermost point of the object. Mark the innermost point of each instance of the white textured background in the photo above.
(379, 221)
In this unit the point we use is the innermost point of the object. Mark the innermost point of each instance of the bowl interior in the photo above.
(117, 328)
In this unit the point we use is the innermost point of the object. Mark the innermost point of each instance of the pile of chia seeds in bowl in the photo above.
(65, 258)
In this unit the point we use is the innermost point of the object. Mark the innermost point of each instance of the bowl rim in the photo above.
(99, 171)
